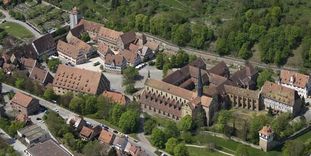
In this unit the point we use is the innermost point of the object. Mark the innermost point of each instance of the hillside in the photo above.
(276, 27)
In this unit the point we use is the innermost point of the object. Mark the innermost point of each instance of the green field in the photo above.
(229, 145)
(16, 30)
(304, 137)
(193, 151)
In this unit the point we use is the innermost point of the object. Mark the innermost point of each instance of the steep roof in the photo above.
(76, 79)
(44, 43)
(169, 88)
(22, 99)
(76, 31)
(116, 97)
(220, 69)
(241, 92)
(114, 59)
(128, 37)
(81, 45)
(109, 33)
(103, 49)
(28, 62)
(106, 136)
(86, 131)
(68, 49)
(279, 93)
(199, 63)
(38, 74)
(130, 56)
(297, 79)
(90, 26)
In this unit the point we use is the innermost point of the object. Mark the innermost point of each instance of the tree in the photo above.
(76, 104)
(166, 68)
(257, 122)
(187, 137)
(130, 74)
(245, 52)
(170, 144)
(117, 111)
(129, 121)
(280, 124)
(242, 151)
(19, 83)
(90, 105)
(53, 64)
(93, 148)
(158, 138)
(265, 75)
(130, 89)
(222, 119)
(185, 123)
(181, 150)
(49, 94)
(221, 47)
(149, 125)
(293, 148)
(181, 34)
(2, 75)
(159, 61)
(85, 37)
(171, 130)
(65, 99)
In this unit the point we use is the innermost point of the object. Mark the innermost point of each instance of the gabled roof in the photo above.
(90, 26)
(130, 56)
(279, 93)
(76, 31)
(86, 131)
(81, 45)
(68, 49)
(220, 69)
(295, 78)
(169, 88)
(128, 37)
(109, 33)
(48, 148)
(44, 43)
(22, 99)
(115, 97)
(117, 59)
(199, 63)
(28, 62)
(103, 49)
(38, 74)
(241, 92)
(76, 79)
(106, 136)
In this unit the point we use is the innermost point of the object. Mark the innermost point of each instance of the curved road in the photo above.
(11, 19)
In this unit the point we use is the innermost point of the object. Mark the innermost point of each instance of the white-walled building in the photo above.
(299, 82)
(280, 98)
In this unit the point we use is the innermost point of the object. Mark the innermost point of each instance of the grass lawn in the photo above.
(193, 151)
(304, 137)
(229, 145)
(16, 30)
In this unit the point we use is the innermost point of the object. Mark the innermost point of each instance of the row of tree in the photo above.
(100, 107)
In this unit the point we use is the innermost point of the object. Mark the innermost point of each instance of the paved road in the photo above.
(10, 19)
(16, 144)
(64, 113)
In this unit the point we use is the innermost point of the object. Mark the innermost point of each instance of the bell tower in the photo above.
(74, 17)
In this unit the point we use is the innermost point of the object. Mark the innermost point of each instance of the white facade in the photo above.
(74, 19)
(302, 92)
(79, 60)
(275, 105)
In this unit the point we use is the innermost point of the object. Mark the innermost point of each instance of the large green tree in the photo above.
(293, 148)
(185, 123)
(158, 138)
(170, 145)
(53, 64)
(129, 121)
(181, 34)
(265, 75)
(181, 150)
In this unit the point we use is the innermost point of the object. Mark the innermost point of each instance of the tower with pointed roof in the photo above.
(74, 17)
(266, 138)
(200, 84)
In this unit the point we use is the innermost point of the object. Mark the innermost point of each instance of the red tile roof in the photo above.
(115, 97)
(22, 99)
(297, 79)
